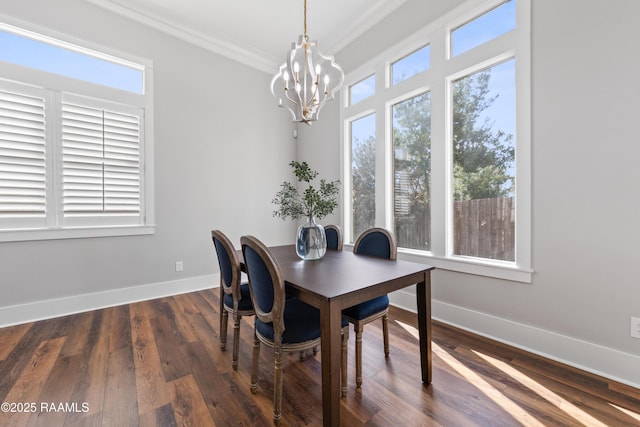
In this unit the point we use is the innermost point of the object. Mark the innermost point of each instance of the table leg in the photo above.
(423, 296)
(331, 323)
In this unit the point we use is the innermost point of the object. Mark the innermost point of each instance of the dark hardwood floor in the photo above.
(159, 363)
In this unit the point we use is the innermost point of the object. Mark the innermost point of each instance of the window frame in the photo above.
(437, 79)
(56, 227)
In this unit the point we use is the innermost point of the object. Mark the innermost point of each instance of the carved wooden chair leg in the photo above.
(385, 334)
(224, 315)
(236, 341)
(277, 386)
(254, 366)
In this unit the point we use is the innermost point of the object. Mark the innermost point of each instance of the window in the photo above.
(480, 30)
(73, 146)
(412, 171)
(412, 64)
(40, 52)
(483, 134)
(363, 168)
(455, 190)
(362, 90)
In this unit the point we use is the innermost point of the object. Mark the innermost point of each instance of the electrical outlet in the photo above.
(635, 327)
(179, 266)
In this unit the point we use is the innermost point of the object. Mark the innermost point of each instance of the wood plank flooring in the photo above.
(159, 363)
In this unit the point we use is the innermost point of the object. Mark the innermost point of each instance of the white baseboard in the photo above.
(604, 361)
(47, 309)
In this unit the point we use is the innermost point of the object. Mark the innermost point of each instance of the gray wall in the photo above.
(218, 162)
(586, 187)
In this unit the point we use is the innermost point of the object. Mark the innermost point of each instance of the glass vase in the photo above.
(311, 242)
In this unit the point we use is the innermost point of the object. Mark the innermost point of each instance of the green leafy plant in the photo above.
(312, 202)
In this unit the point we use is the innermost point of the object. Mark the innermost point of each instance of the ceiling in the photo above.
(257, 33)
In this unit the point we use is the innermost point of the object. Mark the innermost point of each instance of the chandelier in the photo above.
(307, 79)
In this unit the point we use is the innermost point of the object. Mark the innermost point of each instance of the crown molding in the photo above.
(244, 55)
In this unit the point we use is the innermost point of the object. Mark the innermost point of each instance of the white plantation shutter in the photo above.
(22, 159)
(122, 159)
(75, 159)
(101, 163)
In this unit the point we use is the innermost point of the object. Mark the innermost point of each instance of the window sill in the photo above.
(478, 267)
(74, 233)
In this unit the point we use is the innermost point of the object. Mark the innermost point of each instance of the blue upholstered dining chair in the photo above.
(334, 237)
(234, 295)
(377, 242)
(284, 324)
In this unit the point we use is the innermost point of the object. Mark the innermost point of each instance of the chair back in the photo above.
(378, 242)
(266, 282)
(229, 264)
(334, 237)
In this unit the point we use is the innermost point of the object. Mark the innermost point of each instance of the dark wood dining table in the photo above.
(342, 279)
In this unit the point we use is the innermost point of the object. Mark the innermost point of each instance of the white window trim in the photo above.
(27, 76)
(439, 75)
